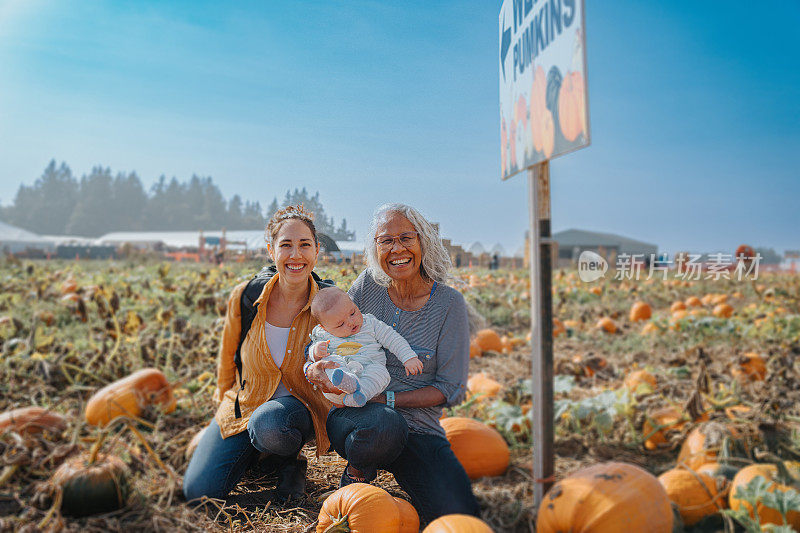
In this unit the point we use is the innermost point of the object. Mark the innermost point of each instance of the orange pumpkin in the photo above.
(409, 518)
(68, 286)
(32, 420)
(457, 523)
(750, 367)
(640, 377)
(489, 340)
(480, 449)
(129, 396)
(769, 472)
(505, 342)
(658, 423)
(484, 385)
(359, 507)
(693, 301)
(606, 498)
(640, 311)
(719, 299)
(649, 328)
(607, 325)
(722, 311)
(745, 253)
(695, 495)
(703, 443)
(571, 110)
(474, 349)
(675, 320)
(677, 306)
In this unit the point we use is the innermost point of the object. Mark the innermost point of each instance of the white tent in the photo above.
(14, 240)
(348, 249)
(254, 239)
(476, 248)
(498, 250)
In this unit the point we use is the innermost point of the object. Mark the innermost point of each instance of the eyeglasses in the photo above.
(406, 239)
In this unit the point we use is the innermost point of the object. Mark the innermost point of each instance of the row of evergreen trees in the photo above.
(59, 204)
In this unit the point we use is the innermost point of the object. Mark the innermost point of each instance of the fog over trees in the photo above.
(100, 202)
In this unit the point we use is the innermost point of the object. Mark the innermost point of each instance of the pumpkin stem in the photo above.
(339, 525)
(96, 447)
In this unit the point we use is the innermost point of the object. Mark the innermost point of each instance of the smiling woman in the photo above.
(278, 410)
(406, 287)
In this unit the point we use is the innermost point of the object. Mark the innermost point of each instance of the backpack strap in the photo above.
(249, 309)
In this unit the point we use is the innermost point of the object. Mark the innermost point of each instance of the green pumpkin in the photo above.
(92, 487)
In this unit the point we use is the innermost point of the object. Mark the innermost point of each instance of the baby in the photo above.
(355, 342)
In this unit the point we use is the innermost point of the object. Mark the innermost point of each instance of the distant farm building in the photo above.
(572, 242)
(14, 240)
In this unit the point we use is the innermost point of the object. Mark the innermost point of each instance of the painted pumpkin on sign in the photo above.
(571, 111)
(538, 108)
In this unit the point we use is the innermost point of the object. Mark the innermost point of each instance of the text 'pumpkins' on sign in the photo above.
(543, 92)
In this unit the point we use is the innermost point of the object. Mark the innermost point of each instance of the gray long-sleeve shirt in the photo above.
(439, 334)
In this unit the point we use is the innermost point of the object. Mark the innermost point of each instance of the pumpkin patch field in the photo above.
(677, 406)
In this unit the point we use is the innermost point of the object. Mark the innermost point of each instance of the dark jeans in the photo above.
(375, 436)
(279, 426)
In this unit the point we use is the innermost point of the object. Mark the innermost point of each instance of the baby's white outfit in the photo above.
(361, 358)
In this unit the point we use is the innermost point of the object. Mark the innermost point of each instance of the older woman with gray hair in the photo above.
(406, 286)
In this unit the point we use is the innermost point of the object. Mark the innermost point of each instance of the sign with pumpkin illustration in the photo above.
(543, 98)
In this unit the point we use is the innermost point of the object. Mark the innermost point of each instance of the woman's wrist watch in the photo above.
(390, 398)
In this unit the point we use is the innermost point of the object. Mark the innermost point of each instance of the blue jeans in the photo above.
(376, 436)
(279, 426)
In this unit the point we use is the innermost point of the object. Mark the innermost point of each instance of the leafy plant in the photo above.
(595, 412)
(757, 492)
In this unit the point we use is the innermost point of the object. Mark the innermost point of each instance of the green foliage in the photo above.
(757, 491)
(594, 412)
(563, 384)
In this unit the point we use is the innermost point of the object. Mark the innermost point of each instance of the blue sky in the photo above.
(695, 110)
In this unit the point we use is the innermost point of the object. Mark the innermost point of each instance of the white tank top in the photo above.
(277, 338)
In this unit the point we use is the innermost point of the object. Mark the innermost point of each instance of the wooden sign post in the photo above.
(544, 113)
(541, 328)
